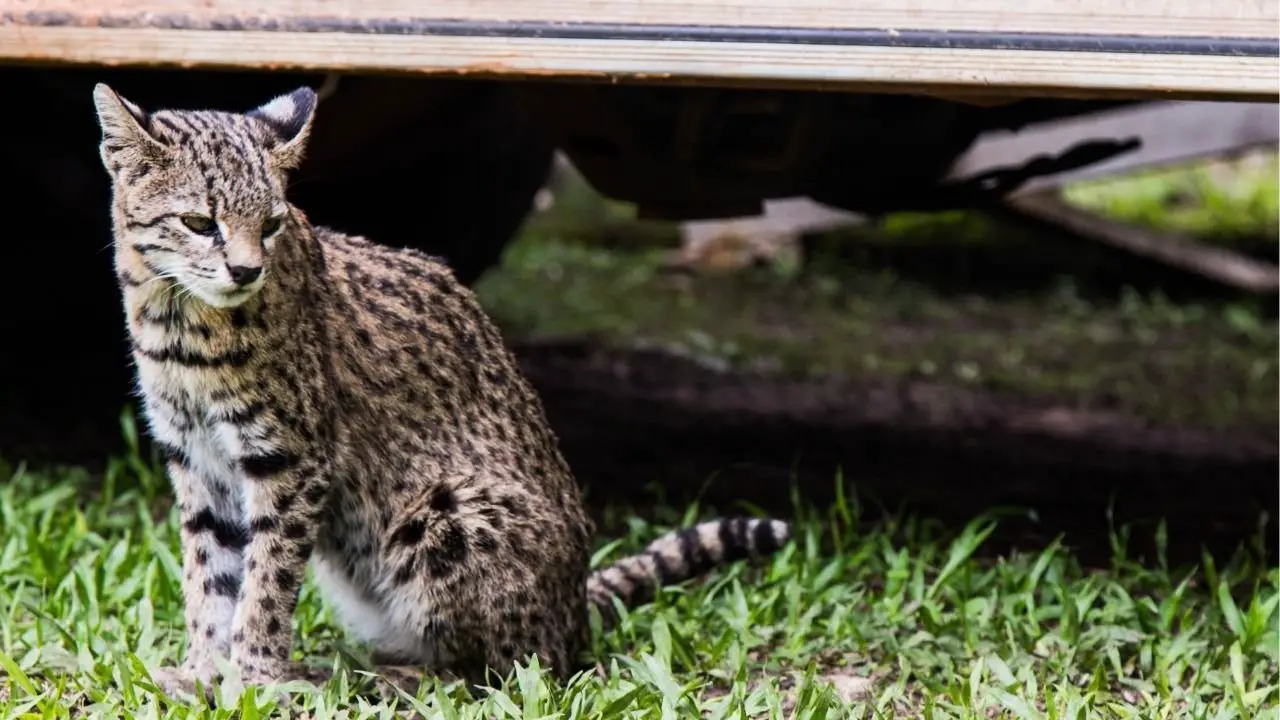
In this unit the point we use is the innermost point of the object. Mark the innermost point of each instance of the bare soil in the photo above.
(633, 421)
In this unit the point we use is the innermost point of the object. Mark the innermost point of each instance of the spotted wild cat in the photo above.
(325, 399)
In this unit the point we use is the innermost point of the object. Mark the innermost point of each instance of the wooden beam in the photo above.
(1174, 249)
(1181, 18)
(1210, 49)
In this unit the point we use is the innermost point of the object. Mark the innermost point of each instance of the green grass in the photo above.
(861, 616)
(1055, 347)
(1236, 201)
(921, 622)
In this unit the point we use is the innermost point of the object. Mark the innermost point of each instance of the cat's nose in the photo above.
(243, 275)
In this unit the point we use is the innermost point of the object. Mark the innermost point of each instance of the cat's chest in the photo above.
(213, 427)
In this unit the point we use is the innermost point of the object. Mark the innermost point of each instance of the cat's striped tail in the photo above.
(683, 554)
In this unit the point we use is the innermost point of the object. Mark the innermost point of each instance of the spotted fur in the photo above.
(324, 399)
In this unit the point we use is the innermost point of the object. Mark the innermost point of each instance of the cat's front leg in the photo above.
(286, 497)
(213, 537)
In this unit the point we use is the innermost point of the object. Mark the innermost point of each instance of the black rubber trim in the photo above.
(864, 37)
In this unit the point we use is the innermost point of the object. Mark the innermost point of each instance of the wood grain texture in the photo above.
(1222, 18)
(982, 72)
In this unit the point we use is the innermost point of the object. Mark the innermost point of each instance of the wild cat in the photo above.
(325, 399)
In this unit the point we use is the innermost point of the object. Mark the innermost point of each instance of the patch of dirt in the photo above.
(629, 419)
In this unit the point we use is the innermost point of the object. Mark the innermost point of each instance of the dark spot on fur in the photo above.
(440, 283)
(450, 551)
(302, 550)
(295, 530)
(285, 578)
(487, 543)
(223, 584)
(264, 524)
(765, 539)
(696, 560)
(228, 533)
(285, 501)
(493, 517)
(273, 626)
(443, 500)
(315, 493)
(171, 453)
(266, 465)
(410, 533)
(514, 506)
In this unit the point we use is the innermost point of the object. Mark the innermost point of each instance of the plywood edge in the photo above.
(985, 72)
(1207, 18)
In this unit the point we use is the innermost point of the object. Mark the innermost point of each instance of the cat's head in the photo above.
(199, 196)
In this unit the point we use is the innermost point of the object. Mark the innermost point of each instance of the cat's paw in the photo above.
(181, 682)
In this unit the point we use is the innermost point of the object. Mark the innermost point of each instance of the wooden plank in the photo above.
(1210, 18)
(1170, 248)
(878, 69)
(1211, 49)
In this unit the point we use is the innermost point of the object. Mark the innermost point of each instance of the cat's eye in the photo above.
(199, 224)
(270, 226)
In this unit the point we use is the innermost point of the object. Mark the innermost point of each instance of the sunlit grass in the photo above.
(891, 618)
(1229, 200)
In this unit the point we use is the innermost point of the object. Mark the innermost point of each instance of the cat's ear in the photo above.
(124, 127)
(289, 117)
